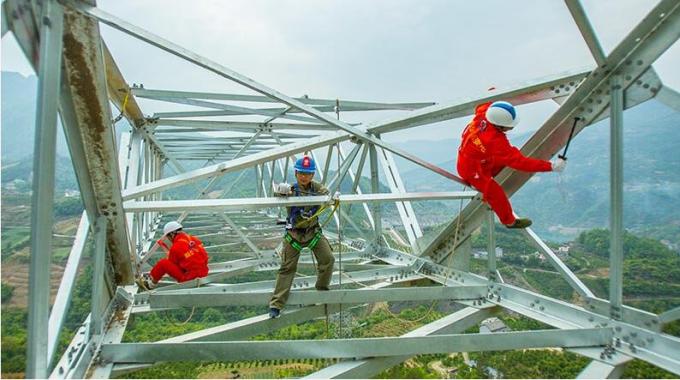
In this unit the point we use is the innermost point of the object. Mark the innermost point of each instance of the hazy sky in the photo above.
(379, 50)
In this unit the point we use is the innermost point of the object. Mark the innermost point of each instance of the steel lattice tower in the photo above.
(124, 185)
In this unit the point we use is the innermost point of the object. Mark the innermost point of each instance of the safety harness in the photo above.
(298, 246)
(300, 216)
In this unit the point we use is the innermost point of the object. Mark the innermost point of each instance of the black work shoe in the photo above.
(274, 313)
(520, 223)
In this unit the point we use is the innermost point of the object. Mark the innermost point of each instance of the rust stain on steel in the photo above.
(85, 75)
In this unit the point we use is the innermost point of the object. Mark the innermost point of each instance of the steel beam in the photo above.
(629, 340)
(587, 31)
(599, 370)
(616, 197)
(42, 202)
(234, 165)
(310, 297)
(151, 93)
(405, 210)
(368, 368)
(237, 126)
(669, 97)
(237, 110)
(351, 348)
(100, 297)
(528, 92)
(670, 315)
(212, 205)
(555, 261)
(68, 279)
(491, 244)
(122, 306)
(245, 328)
(89, 132)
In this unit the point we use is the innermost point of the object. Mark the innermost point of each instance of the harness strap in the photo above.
(298, 246)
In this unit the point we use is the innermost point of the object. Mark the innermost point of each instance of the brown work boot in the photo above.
(145, 282)
(520, 223)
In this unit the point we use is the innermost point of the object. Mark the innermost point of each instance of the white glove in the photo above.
(336, 196)
(282, 188)
(559, 164)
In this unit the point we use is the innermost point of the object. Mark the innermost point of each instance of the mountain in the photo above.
(563, 205)
(18, 117)
(21, 171)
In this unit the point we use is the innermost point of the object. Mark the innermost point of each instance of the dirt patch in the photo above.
(256, 372)
(599, 272)
(16, 275)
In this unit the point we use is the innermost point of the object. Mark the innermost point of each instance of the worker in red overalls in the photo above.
(186, 260)
(485, 151)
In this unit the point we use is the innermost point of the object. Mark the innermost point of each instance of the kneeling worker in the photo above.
(485, 151)
(187, 258)
(302, 230)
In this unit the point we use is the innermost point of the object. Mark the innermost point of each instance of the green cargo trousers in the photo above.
(289, 260)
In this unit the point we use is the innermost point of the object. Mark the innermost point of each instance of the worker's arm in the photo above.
(322, 190)
(507, 155)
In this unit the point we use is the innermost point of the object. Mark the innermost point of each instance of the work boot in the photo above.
(145, 282)
(274, 313)
(520, 223)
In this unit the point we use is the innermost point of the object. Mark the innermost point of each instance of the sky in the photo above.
(379, 50)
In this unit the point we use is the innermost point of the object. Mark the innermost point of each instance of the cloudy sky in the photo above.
(379, 50)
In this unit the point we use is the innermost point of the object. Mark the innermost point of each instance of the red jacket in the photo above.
(487, 146)
(187, 252)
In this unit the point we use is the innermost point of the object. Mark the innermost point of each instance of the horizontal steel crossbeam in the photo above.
(218, 297)
(351, 348)
(212, 205)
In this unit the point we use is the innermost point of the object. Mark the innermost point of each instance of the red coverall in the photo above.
(483, 153)
(187, 259)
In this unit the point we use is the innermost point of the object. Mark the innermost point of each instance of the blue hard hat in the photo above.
(305, 164)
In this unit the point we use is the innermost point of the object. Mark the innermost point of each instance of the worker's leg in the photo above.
(165, 266)
(284, 279)
(193, 273)
(324, 263)
(495, 196)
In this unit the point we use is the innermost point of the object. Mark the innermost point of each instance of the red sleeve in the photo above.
(507, 155)
(177, 251)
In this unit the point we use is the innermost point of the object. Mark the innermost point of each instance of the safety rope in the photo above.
(448, 272)
(321, 209)
(122, 109)
(337, 205)
(193, 309)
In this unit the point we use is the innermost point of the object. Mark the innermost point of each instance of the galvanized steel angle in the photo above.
(628, 339)
(627, 314)
(352, 348)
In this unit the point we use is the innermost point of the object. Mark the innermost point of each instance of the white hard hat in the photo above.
(171, 227)
(502, 114)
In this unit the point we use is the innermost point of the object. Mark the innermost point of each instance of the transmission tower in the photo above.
(124, 182)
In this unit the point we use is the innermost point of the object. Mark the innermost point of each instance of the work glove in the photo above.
(559, 164)
(336, 196)
(282, 188)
